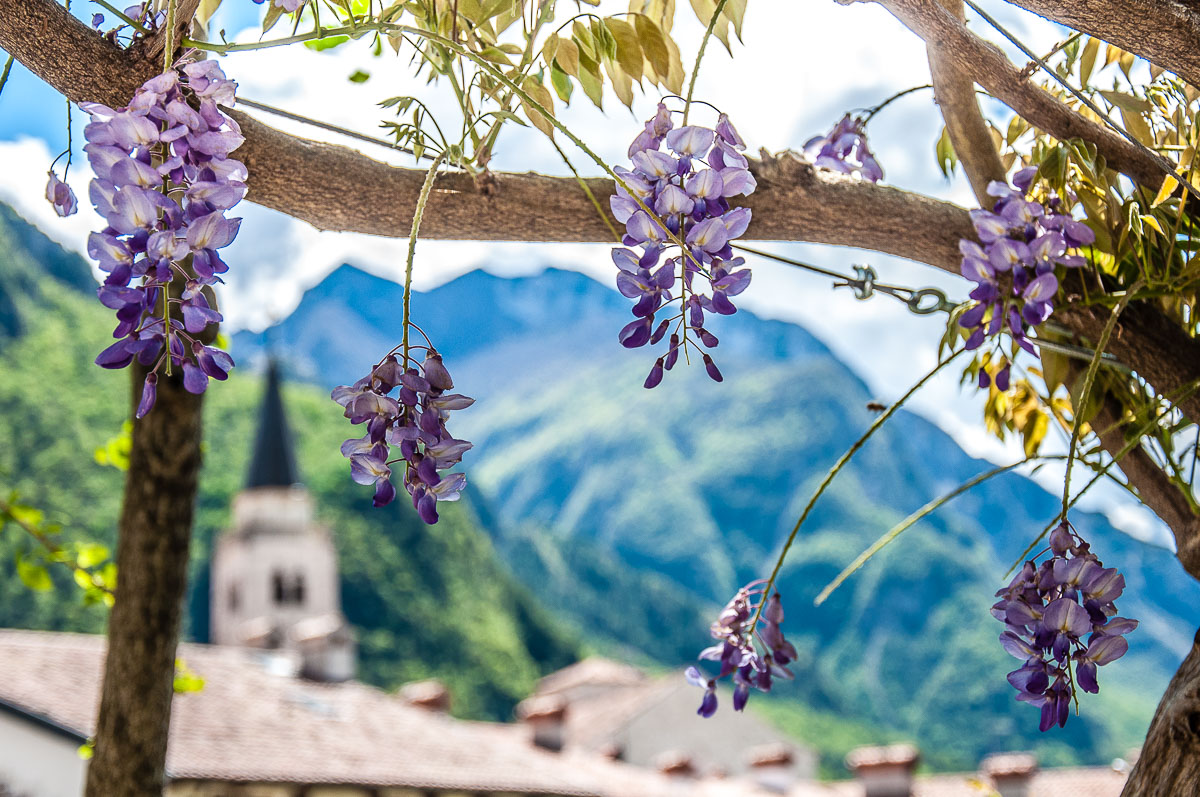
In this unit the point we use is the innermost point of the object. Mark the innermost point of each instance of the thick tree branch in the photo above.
(1145, 339)
(992, 70)
(1165, 32)
(1153, 486)
(1169, 763)
(336, 188)
(954, 92)
(143, 627)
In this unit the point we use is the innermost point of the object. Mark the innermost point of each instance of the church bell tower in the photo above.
(274, 572)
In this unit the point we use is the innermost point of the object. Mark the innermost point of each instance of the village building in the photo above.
(280, 714)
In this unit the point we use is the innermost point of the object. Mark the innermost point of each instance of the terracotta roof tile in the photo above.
(250, 725)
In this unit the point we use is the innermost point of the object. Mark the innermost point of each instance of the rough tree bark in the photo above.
(1169, 763)
(954, 92)
(1004, 81)
(143, 626)
(1164, 32)
(334, 187)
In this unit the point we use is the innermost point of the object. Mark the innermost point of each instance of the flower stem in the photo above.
(422, 200)
(121, 16)
(841, 463)
(1088, 378)
(7, 68)
(912, 520)
(590, 195)
(712, 23)
(1184, 393)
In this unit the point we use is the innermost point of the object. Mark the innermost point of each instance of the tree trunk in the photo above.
(143, 628)
(1170, 760)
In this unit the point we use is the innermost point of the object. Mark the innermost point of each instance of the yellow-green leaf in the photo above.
(541, 94)
(654, 46)
(621, 82)
(562, 83)
(567, 57)
(1087, 61)
(550, 48)
(1169, 184)
(675, 75)
(629, 50)
(590, 81)
(33, 575)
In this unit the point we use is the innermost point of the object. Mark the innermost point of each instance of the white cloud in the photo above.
(846, 57)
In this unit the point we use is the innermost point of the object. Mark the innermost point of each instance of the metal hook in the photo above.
(940, 302)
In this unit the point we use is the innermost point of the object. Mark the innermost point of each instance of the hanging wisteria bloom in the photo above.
(60, 195)
(844, 150)
(414, 421)
(1023, 243)
(688, 189)
(1049, 609)
(737, 652)
(164, 181)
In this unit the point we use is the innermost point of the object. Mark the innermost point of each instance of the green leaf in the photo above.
(1127, 102)
(359, 76)
(320, 45)
(185, 679)
(33, 575)
(562, 83)
(944, 151)
(91, 554)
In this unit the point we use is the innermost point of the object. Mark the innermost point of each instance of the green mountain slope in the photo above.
(425, 601)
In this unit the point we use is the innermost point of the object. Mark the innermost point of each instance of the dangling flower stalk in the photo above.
(418, 214)
(414, 421)
(841, 463)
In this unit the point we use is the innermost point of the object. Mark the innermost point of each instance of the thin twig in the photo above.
(837, 467)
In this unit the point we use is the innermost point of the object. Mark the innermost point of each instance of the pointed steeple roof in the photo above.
(273, 463)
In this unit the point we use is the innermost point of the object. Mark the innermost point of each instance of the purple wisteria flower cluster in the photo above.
(1048, 610)
(414, 421)
(1023, 243)
(687, 187)
(164, 181)
(735, 632)
(844, 150)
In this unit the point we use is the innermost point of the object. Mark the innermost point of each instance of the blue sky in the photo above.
(848, 57)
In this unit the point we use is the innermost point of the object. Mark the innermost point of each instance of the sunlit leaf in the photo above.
(629, 49)
(534, 88)
(33, 574)
(1169, 184)
(654, 46)
(1087, 62)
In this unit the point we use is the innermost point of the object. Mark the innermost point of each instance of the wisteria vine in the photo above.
(1048, 609)
(1023, 243)
(754, 655)
(688, 187)
(164, 181)
(414, 421)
